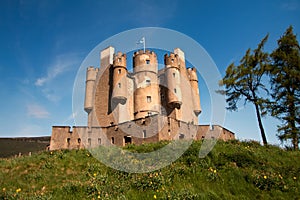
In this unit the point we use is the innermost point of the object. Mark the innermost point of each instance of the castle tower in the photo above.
(195, 90)
(91, 75)
(146, 94)
(119, 94)
(172, 71)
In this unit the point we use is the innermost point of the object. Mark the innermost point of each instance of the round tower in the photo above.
(119, 94)
(195, 90)
(172, 72)
(91, 74)
(146, 94)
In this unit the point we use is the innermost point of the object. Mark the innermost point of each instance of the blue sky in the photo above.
(44, 42)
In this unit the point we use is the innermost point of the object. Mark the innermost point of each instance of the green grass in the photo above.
(232, 170)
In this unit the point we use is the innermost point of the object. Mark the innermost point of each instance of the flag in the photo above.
(141, 41)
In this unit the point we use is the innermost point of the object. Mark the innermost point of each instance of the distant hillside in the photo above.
(13, 146)
(232, 170)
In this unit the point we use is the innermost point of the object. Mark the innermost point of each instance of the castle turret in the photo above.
(195, 90)
(146, 94)
(172, 71)
(91, 75)
(119, 94)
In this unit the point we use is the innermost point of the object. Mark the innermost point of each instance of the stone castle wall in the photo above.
(148, 130)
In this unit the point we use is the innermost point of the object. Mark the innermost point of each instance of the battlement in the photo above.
(120, 60)
(171, 60)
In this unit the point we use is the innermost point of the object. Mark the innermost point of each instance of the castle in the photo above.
(145, 105)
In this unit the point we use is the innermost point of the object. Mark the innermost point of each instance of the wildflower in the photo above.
(4, 189)
(280, 176)
(98, 196)
(294, 178)
(18, 190)
(215, 171)
(154, 196)
(265, 177)
(95, 174)
(51, 152)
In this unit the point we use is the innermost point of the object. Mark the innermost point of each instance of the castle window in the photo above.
(175, 91)
(148, 82)
(119, 71)
(172, 60)
(112, 140)
(144, 134)
(79, 140)
(119, 60)
(119, 85)
(68, 140)
(147, 62)
(148, 99)
(174, 75)
(181, 136)
(99, 140)
(89, 141)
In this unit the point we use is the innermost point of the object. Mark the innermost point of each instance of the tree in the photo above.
(285, 87)
(244, 82)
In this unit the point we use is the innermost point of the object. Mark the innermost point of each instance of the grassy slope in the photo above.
(233, 170)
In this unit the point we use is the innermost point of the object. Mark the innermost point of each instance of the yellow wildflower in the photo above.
(4, 189)
(215, 171)
(154, 196)
(265, 177)
(95, 174)
(294, 177)
(18, 190)
(98, 196)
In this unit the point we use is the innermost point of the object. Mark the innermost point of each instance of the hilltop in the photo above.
(232, 170)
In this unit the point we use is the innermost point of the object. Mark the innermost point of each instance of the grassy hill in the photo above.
(232, 170)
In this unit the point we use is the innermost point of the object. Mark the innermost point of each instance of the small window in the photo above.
(172, 60)
(144, 134)
(99, 140)
(175, 91)
(181, 136)
(79, 140)
(68, 140)
(119, 60)
(90, 141)
(148, 82)
(112, 140)
(148, 99)
(119, 85)
(147, 62)
(119, 71)
(174, 75)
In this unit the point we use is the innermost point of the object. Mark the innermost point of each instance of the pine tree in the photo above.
(244, 82)
(285, 85)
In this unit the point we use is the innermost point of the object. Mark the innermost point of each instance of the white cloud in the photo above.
(61, 65)
(37, 111)
(290, 5)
